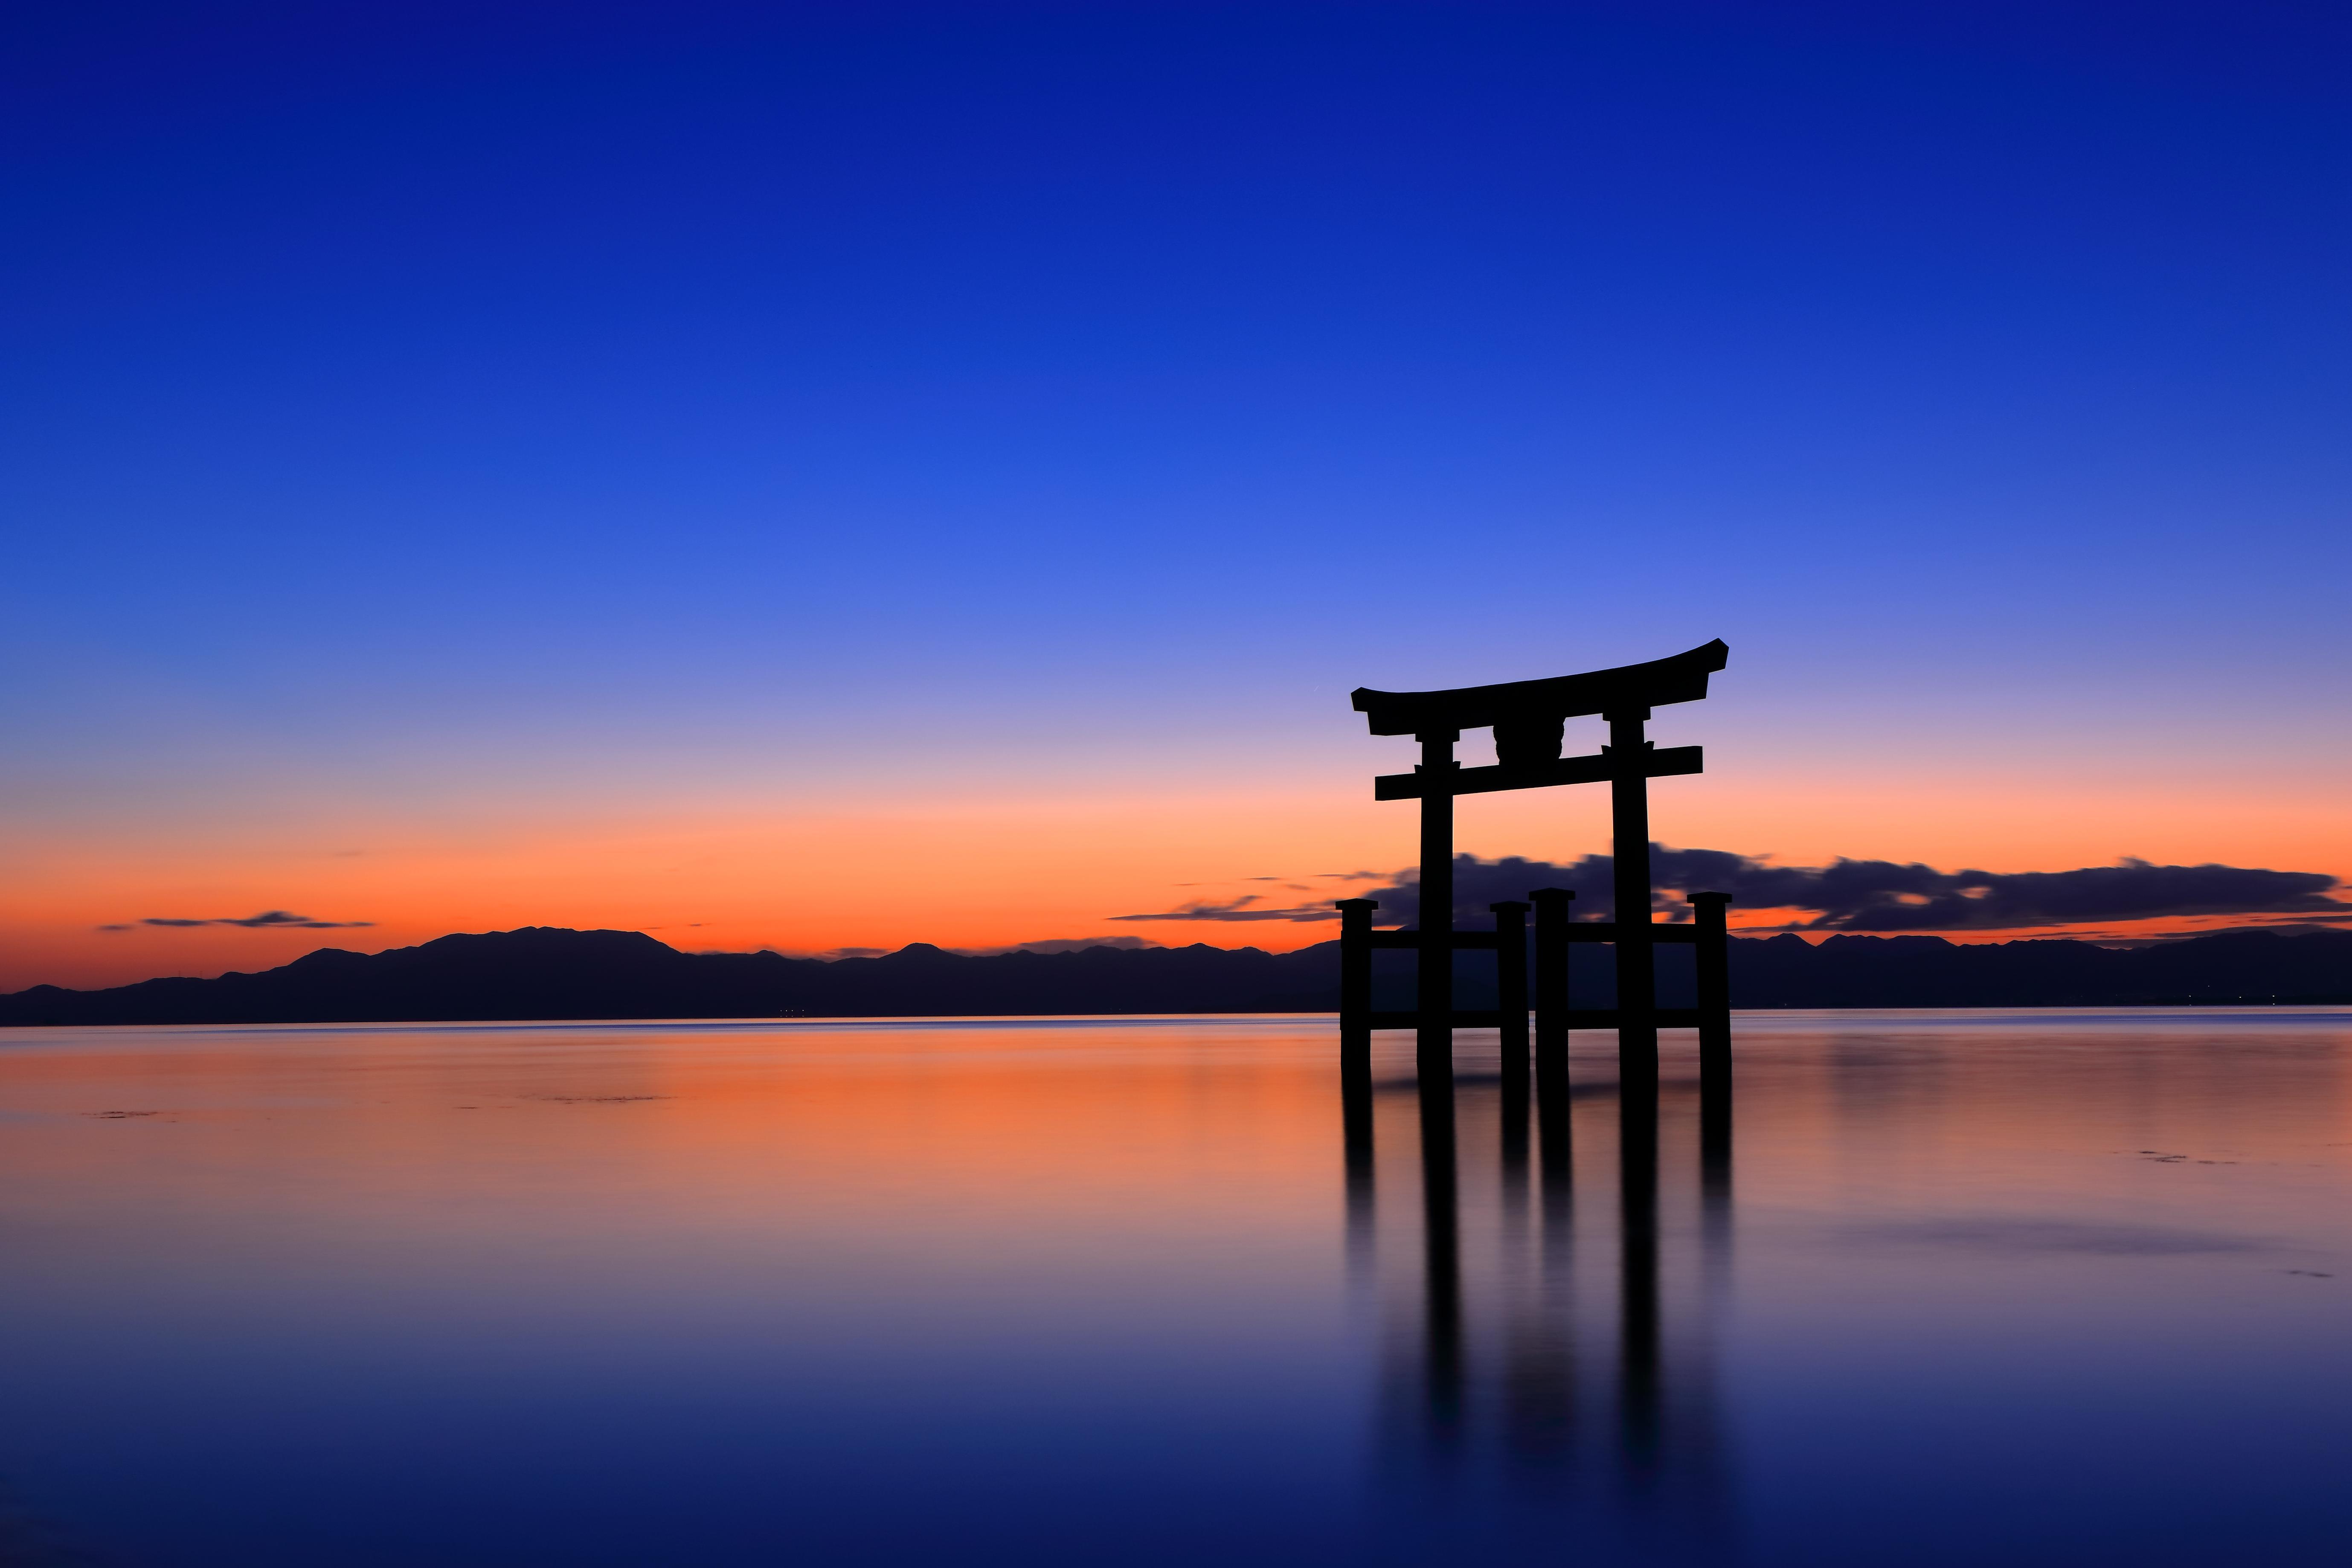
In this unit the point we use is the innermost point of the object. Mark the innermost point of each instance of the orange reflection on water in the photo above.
(922, 1141)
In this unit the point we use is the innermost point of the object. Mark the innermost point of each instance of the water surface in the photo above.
(1962, 1288)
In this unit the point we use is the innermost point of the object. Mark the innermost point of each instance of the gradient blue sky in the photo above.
(446, 446)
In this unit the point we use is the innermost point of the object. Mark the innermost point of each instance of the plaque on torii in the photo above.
(1529, 718)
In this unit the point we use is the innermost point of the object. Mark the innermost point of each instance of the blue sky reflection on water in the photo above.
(2028, 1288)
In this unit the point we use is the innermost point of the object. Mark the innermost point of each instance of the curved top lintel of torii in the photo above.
(1680, 677)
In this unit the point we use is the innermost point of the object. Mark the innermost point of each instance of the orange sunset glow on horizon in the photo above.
(993, 874)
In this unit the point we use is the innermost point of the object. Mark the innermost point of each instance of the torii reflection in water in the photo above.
(1550, 1360)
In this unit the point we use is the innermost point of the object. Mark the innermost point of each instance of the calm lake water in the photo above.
(2021, 1289)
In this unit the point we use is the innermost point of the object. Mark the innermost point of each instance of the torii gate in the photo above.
(1527, 718)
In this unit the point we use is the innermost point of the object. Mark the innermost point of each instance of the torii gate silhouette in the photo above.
(1527, 718)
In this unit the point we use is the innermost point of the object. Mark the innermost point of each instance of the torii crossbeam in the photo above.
(1529, 718)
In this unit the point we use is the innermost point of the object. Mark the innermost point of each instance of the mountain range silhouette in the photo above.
(543, 972)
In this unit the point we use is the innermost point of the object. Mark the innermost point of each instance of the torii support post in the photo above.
(1356, 1059)
(1713, 956)
(1552, 906)
(1511, 982)
(1713, 964)
(1356, 980)
(1511, 1004)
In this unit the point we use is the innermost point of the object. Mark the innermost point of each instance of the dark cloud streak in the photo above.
(1850, 895)
(1887, 896)
(1245, 908)
(265, 920)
